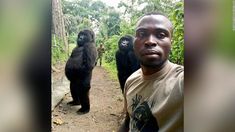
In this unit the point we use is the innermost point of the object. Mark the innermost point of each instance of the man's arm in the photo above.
(125, 125)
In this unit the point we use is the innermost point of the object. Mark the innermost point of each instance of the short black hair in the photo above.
(154, 13)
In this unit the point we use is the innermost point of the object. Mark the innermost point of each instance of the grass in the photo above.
(71, 47)
(111, 69)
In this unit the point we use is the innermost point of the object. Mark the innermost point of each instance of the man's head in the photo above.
(152, 42)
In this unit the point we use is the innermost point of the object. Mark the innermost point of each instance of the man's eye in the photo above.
(161, 35)
(141, 34)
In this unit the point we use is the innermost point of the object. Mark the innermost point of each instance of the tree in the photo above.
(113, 23)
(58, 23)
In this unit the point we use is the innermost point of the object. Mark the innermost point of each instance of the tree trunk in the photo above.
(54, 69)
(58, 23)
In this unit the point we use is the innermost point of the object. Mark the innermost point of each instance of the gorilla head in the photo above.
(125, 43)
(85, 36)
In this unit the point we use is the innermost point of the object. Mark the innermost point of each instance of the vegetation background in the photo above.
(110, 24)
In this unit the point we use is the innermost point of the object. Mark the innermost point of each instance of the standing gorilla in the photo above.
(79, 68)
(126, 60)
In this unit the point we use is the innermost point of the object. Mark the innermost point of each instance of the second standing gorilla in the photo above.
(79, 68)
(126, 60)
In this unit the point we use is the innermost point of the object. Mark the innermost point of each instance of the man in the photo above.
(100, 53)
(153, 95)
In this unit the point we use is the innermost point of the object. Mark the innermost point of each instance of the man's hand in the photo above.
(125, 126)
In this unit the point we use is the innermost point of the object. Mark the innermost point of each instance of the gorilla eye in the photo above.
(81, 36)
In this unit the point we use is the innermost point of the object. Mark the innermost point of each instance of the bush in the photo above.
(111, 46)
(58, 53)
(177, 52)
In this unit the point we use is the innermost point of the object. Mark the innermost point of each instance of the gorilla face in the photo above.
(125, 43)
(84, 37)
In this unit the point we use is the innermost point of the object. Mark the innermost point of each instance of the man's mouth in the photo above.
(151, 52)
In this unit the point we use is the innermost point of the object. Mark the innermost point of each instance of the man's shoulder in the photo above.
(136, 75)
(178, 69)
(176, 65)
(178, 73)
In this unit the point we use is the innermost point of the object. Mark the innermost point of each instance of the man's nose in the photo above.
(151, 41)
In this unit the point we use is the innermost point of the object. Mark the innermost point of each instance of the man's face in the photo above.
(153, 40)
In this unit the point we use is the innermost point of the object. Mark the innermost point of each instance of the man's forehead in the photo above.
(154, 20)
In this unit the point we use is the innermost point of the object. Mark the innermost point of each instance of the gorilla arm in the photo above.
(118, 61)
(134, 62)
(74, 62)
(76, 58)
(89, 56)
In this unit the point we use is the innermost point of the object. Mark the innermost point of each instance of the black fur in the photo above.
(79, 68)
(126, 60)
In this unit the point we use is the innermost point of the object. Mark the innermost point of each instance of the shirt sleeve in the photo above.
(125, 101)
(181, 83)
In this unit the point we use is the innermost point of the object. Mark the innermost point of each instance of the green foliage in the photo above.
(58, 53)
(86, 23)
(113, 23)
(72, 39)
(111, 69)
(127, 28)
(177, 51)
(70, 22)
(80, 14)
(110, 49)
(163, 6)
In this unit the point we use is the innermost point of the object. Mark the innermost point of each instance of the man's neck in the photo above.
(150, 70)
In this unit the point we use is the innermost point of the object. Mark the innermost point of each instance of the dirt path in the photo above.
(106, 108)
